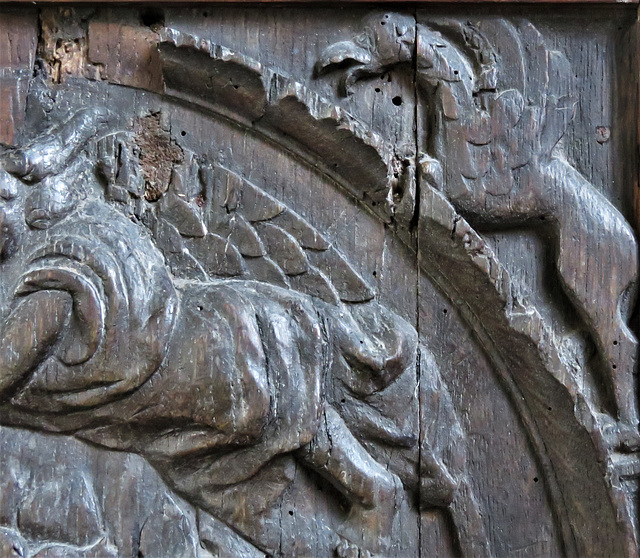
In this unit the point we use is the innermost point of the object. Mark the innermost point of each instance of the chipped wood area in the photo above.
(103, 48)
(157, 154)
(345, 298)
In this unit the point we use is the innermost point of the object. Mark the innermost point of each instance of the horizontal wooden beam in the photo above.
(321, 2)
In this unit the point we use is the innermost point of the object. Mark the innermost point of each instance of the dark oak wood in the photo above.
(318, 281)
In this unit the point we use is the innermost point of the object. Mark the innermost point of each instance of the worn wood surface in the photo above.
(328, 281)
(18, 38)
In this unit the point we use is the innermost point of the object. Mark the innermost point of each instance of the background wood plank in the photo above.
(315, 3)
(18, 41)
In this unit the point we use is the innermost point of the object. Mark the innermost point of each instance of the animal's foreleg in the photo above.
(466, 516)
(375, 493)
(336, 455)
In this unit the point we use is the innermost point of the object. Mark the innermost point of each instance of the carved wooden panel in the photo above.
(318, 282)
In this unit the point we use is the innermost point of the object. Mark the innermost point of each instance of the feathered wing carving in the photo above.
(495, 151)
(213, 223)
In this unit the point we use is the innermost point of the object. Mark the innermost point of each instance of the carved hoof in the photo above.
(628, 438)
(619, 435)
(430, 171)
(371, 526)
(437, 491)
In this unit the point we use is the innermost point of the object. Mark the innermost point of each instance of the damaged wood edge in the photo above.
(282, 93)
(18, 45)
(282, 110)
(515, 321)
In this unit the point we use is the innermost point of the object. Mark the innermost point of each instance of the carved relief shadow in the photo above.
(159, 298)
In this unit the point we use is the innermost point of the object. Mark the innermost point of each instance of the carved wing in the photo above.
(211, 223)
(507, 120)
(493, 150)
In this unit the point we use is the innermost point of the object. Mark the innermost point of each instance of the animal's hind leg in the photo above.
(597, 262)
(375, 493)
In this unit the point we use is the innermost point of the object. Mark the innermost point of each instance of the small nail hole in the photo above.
(397, 101)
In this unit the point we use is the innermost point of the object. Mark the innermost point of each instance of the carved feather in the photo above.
(276, 245)
(211, 223)
(284, 249)
(217, 255)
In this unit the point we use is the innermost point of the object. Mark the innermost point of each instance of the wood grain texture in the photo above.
(18, 41)
(331, 281)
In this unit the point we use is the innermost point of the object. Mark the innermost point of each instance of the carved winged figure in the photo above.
(494, 149)
(205, 326)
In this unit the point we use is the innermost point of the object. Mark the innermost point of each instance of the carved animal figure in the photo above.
(217, 382)
(494, 151)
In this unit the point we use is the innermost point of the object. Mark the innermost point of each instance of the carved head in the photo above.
(392, 37)
(58, 232)
(387, 40)
(40, 183)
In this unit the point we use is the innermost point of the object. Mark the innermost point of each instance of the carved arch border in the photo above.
(524, 352)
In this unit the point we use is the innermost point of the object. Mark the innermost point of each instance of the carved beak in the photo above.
(345, 54)
(340, 55)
